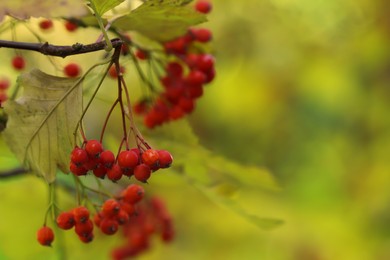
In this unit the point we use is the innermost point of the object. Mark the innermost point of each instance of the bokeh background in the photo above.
(302, 95)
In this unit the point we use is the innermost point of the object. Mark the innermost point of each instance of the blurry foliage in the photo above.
(302, 93)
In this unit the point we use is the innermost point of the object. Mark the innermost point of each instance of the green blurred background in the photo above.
(302, 92)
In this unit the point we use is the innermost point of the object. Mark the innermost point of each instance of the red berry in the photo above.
(72, 70)
(45, 236)
(81, 214)
(4, 83)
(84, 229)
(93, 148)
(202, 35)
(150, 157)
(141, 54)
(186, 104)
(78, 156)
(70, 26)
(122, 217)
(65, 220)
(87, 238)
(77, 170)
(174, 69)
(133, 194)
(46, 24)
(128, 159)
(97, 219)
(195, 77)
(113, 73)
(110, 208)
(100, 171)
(205, 62)
(203, 6)
(142, 172)
(107, 158)
(109, 226)
(18, 62)
(165, 158)
(115, 173)
(129, 208)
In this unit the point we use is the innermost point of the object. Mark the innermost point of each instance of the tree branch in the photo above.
(59, 51)
(13, 173)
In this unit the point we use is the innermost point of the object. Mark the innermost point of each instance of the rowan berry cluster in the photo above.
(103, 163)
(118, 212)
(79, 218)
(188, 69)
(152, 218)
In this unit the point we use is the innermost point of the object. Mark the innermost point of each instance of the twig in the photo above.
(13, 173)
(57, 50)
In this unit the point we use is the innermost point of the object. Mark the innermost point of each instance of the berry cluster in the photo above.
(4, 85)
(117, 212)
(188, 70)
(92, 157)
(79, 218)
(152, 218)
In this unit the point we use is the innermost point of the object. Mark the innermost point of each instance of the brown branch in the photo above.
(57, 50)
(13, 173)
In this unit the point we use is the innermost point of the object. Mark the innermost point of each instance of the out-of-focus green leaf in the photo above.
(161, 20)
(41, 122)
(215, 176)
(103, 6)
(36, 8)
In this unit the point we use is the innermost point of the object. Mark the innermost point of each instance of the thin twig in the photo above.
(58, 50)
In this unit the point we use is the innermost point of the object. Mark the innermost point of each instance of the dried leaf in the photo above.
(41, 122)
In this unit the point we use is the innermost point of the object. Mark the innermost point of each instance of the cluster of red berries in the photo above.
(117, 212)
(92, 157)
(79, 218)
(185, 76)
(4, 85)
(152, 218)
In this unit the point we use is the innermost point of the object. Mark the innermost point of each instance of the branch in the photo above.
(13, 173)
(59, 51)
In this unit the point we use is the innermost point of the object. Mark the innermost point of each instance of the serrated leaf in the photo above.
(161, 20)
(41, 122)
(36, 8)
(103, 6)
(218, 178)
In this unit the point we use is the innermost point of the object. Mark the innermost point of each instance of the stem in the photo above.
(109, 45)
(58, 50)
(93, 95)
(108, 117)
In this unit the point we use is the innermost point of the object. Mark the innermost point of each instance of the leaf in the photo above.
(161, 20)
(103, 6)
(41, 122)
(36, 8)
(217, 177)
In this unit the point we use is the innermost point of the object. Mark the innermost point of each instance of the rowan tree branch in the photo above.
(13, 173)
(57, 50)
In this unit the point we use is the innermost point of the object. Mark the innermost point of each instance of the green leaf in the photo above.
(161, 20)
(103, 6)
(41, 122)
(37, 8)
(217, 177)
